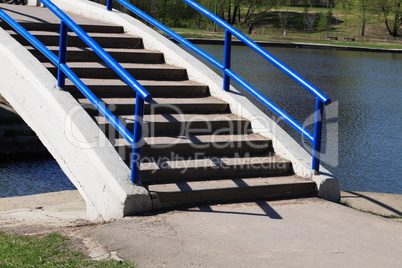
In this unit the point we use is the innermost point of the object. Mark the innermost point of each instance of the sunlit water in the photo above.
(365, 124)
(32, 177)
(363, 145)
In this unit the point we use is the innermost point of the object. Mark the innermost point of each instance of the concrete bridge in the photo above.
(200, 143)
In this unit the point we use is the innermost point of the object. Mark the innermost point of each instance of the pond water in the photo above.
(32, 177)
(363, 148)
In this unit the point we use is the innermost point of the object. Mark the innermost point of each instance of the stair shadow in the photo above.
(397, 212)
(268, 211)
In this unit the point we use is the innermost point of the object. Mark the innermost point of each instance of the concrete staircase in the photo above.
(17, 140)
(195, 149)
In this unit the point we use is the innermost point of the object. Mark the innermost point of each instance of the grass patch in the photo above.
(345, 203)
(357, 44)
(317, 38)
(52, 250)
(300, 9)
(340, 24)
(383, 215)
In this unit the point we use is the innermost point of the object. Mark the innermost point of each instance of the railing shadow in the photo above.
(359, 195)
(267, 211)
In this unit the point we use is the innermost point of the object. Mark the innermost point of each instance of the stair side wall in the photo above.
(284, 145)
(33, 3)
(70, 135)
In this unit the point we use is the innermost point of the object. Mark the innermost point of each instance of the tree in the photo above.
(391, 12)
(324, 21)
(255, 10)
(359, 8)
(261, 5)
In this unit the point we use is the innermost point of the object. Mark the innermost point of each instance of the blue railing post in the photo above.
(227, 59)
(109, 4)
(61, 77)
(319, 109)
(137, 140)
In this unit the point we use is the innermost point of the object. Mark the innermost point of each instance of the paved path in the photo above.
(301, 233)
(295, 233)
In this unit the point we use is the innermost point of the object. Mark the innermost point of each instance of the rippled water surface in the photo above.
(32, 177)
(364, 121)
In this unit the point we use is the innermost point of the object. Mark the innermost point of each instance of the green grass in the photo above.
(357, 44)
(317, 38)
(52, 250)
(384, 215)
(301, 9)
(343, 25)
(346, 203)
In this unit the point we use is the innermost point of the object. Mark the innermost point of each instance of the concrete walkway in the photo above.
(295, 233)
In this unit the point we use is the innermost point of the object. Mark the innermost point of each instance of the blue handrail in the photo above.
(64, 71)
(321, 98)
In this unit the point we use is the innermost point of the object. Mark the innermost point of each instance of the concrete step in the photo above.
(230, 190)
(53, 27)
(107, 88)
(158, 170)
(105, 40)
(125, 106)
(181, 125)
(85, 54)
(138, 71)
(196, 146)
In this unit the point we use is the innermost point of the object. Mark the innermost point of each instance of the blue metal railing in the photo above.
(65, 71)
(228, 73)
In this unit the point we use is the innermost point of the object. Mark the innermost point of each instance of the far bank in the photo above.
(218, 41)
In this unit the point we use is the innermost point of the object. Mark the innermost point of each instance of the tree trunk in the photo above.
(235, 10)
(397, 24)
(246, 18)
(229, 12)
(363, 20)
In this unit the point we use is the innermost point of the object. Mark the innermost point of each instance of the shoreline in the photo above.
(208, 41)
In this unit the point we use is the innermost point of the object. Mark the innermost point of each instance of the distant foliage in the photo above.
(324, 21)
(175, 13)
(390, 12)
(249, 13)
